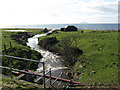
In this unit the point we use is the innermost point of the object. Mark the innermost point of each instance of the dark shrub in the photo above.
(71, 54)
(23, 53)
(47, 43)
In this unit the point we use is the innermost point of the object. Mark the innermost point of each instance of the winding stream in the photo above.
(51, 60)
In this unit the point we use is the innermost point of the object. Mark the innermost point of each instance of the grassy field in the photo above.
(6, 39)
(99, 62)
(0, 42)
(19, 51)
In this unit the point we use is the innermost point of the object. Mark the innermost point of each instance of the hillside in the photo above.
(99, 62)
(14, 48)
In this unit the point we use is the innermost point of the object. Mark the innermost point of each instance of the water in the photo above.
(51, 60)
(15, 30)
(79, 26)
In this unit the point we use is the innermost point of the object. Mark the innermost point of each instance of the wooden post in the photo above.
(11, 69)
(50, 78)
(4, 47)
(44, 75)
(10, 44)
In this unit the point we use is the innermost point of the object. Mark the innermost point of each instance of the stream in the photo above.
(51, 60)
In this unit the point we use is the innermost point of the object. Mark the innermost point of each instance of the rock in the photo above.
(78, 73)
(106, 65)
(93, 72)
(84, 66)
(113, 63)
(48, 42)
(83, 62)
(29, 78)
(22, 37)
(81, 66)
(83, 74)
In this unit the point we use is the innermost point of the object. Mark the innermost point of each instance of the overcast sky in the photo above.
(31, 12)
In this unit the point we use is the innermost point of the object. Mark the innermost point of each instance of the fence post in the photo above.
(50, 77)
(5, 47)
(11, 69)
(10, 44)
(44, 74)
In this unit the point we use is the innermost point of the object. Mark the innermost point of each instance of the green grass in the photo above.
(6, 39)
(0, 42)
(37, 31)
(100, 53)
(10, 84)
(19, 51)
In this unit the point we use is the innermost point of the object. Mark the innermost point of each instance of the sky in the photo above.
(32, 12)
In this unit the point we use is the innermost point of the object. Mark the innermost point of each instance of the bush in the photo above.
(47, 43)
(65, 47)
(23, 52)
(71, 54)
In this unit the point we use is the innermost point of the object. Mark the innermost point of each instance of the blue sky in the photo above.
(30, 12)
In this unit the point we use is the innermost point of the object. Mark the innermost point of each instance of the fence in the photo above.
(42, 75)
(18, 58)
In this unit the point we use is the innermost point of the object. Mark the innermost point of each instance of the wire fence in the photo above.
(42, 75)
(24, 59)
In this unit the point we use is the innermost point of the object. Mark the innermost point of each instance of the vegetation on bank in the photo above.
(65, 49)
(99, 62)
(11, 84)
(13, 48)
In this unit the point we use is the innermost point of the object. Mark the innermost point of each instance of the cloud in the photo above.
(20, 12)
(106, 7)
(94, 6)
(55, 15)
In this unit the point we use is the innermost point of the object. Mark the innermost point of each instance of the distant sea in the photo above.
(79, 26)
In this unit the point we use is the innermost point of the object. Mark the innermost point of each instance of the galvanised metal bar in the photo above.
(61, 80)
(50, 76)
(20, 71)
(47, 72)
(41, 77)
(47, 80)
(38, 79)
(21, 58)
(28, 60)
(57, 78)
